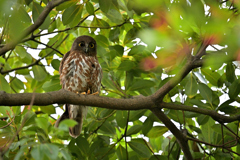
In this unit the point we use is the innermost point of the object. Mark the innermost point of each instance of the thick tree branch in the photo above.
(64, 96)
(181, 138)
(33, 27)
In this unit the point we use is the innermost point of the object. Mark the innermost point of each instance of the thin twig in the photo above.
(48, 46)
(8, 123)
(125, 133)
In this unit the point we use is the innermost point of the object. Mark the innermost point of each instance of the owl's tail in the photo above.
(77, 113)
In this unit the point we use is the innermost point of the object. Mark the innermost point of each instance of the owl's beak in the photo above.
(86, 49)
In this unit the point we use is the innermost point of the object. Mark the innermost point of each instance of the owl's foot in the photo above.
(95, 93)
(78, 93)
(87, 93)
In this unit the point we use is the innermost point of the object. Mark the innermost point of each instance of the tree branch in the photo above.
(216, 116)
(181, 138)
(192, 62)
(63, 96)
(33, 27)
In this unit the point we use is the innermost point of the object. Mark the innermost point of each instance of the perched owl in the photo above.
(80, 72)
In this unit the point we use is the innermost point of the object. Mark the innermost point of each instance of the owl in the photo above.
(80, 72)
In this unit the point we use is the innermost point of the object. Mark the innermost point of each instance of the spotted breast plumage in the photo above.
(80, 72)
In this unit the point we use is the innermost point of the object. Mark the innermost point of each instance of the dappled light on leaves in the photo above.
(167, 58)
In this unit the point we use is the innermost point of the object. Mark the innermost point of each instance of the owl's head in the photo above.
(86, 45)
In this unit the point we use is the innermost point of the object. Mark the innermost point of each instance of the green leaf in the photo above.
(207, 131)
(20, 153)
(136, 50)
(96, 22)
(135, 115)
(53, 85)
(230, 72)
(157, 131)
(205, 92)
(202, 119)
(141, 84)
(55, 64)
(126, 65)
(111, 9)
(199, 104)
(211, 76)
(42, 123)
(2, 60)
(121, 153)
(72, 15)
(140, 147)
(191, 86)
(119, 49)
(114, 34)
(29, 118)
(121, 117)
(16, 84)
(234, 89)
(104, 6)
(36, 11)
(24, 16)
(19, 18)
(107, 82)
(147, 126)
(196, 129)
(21, 51)
(107, 128)
(83, 144)
(37, 153)
(28, 2)
(50, 150)
(77, 17)
(102, 41)
(50, 109)
(66, 123)
(65, 154)
(128, 80)
(90, 8)
(66, 4)
(3, 123)
(4, 86)
(39, 73)
(157, 157)
(131, 35)
(134, 129)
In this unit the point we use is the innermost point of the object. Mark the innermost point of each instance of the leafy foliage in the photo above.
(141, 46)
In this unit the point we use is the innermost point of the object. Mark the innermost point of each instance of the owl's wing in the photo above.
(66, 69)
(65, 115)
(62, 62)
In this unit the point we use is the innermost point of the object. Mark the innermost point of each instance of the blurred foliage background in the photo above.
(141, 45)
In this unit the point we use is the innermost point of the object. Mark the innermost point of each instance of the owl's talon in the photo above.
(95, 93)
(78, 93)
(88, 92)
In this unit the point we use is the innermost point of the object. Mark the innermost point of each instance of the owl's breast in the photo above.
(83, 73)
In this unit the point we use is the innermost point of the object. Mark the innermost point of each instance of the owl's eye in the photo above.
(91, 45)
(81, 44)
